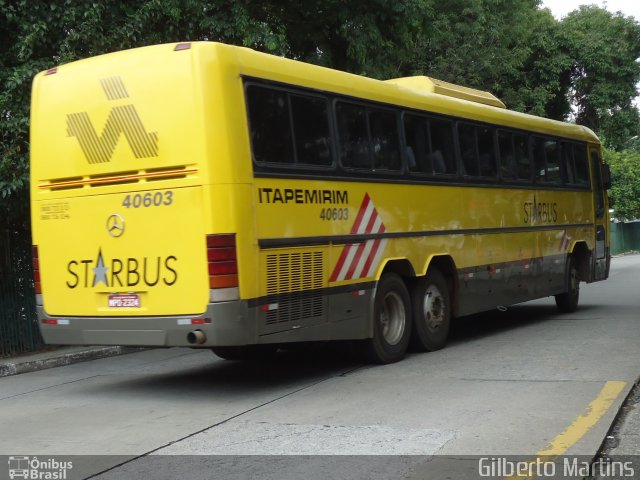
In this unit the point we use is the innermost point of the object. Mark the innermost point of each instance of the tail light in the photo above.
(36, 269)
(223, 265)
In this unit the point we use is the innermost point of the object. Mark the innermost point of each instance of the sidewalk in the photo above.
(623, 441)
(58, 358)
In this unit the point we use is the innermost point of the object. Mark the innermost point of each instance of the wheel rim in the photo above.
(392, 318)
(433, 308)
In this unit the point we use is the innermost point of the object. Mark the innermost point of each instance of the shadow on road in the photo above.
(309, 363)
(489, 323)
(225, 378)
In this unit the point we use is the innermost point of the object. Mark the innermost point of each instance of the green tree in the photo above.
(510, 48)
(624, 195)
(367, 38)
(604, 48)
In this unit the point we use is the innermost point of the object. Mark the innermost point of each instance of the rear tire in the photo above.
(568, 302)
(391, 321)
(431, 312)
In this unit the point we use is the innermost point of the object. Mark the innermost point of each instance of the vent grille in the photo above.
(120, 178)
(294, 281)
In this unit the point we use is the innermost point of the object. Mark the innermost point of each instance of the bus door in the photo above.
(601, 218)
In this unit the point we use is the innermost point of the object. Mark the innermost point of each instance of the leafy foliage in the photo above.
(604, 48)
(513, 48)
(510, 48)
(624, 195)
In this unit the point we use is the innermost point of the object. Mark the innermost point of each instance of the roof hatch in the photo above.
(426, 84)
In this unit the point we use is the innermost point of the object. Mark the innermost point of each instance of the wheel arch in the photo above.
(582, 257)
(401, 266)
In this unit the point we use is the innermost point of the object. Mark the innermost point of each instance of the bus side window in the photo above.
(417, 142)
(568, 170)
(353, 135)
(270, 125)
(552, 154)
(311, 130)
(442, 147)
(385, 142)
(468, 149)
(540, 164)
(521, 152)
(486, 152)
(477, 151)
(581, 164)
(508, 168)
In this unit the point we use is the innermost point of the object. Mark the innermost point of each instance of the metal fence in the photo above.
(625, 237)
(18, 322)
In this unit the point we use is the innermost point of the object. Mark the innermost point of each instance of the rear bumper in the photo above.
(227, 323)
(340, 316)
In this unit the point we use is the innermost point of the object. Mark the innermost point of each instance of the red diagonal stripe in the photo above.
(355, 261)
(341, 260)
(373, 252)
(372, 221)
(363, 208)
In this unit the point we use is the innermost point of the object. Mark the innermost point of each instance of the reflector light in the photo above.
(269, 307)
(193, 321)
(51, 71)
(56, 321)
(182, 46)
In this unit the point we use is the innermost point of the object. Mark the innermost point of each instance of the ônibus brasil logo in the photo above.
(38, 469)
(122, 119)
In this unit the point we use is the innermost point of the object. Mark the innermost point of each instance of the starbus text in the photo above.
(121, 272)
(540, 212)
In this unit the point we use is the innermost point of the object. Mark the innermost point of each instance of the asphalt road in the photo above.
(525, 382)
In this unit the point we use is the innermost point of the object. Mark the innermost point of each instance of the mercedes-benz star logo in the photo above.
(115, 225)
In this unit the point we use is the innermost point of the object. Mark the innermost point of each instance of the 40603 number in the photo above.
(149, 199)
(334, 214)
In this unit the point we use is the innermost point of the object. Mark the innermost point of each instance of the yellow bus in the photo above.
(206, 195)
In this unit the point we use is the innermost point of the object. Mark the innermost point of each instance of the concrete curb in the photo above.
(60, 358)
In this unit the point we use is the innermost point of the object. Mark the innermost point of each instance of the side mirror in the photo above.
(606, 176)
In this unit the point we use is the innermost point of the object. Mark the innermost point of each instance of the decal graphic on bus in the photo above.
(359, 260)
(122, 119)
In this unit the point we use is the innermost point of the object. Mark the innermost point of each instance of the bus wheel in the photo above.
(431, 312)
(246, 352)
(391, 321)
(567, 302)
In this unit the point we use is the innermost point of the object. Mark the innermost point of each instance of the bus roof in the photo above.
(439, 97)
(420, 92)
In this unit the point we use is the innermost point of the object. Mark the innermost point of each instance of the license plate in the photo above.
(124, 301)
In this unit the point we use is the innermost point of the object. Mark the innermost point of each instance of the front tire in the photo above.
(391, 321)
(431, 312)
(567, 302)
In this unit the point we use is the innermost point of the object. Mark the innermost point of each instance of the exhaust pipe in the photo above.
(197, 337)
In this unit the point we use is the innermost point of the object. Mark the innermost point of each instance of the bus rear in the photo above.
(125, 251)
